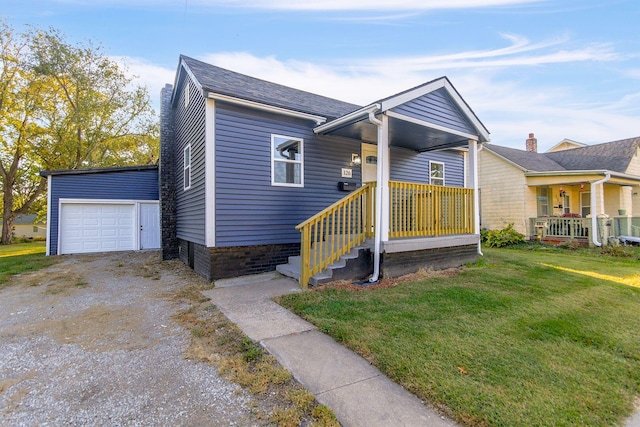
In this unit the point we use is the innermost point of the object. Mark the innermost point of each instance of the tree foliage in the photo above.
(64, 106)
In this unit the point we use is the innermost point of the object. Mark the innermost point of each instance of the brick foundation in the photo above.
(224, 262)
(400, 263)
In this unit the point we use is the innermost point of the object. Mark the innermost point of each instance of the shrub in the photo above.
(501, 238)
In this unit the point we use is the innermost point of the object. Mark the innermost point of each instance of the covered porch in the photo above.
(391, 217)
(586, 207)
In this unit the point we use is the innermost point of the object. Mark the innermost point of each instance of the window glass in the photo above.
(187, 167)
(585, 203)
(542, 196)
(287, 167)
(436, 173)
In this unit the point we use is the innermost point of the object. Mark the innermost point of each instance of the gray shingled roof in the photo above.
(527, 160)
(614, 156)
(225, 82)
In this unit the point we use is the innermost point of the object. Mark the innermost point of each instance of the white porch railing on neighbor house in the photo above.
(569, 228)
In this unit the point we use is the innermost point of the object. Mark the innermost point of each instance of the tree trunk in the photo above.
(7, 215)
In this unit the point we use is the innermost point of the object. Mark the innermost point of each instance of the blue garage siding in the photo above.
(190, 129)
(409, 166)
(249, 210)
(437, 107)
(139, 184)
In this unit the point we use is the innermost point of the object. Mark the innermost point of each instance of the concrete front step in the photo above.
(292, 269)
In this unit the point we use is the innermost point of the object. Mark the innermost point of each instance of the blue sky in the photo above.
(560, 69)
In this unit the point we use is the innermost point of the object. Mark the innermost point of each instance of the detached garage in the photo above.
(102, 210)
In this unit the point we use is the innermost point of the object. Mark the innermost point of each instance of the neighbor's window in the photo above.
(187, 167)
(287, 167)
(436, 173)
(585, 203)
(542, 197)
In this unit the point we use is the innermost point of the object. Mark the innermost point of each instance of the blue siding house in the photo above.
(255, 175)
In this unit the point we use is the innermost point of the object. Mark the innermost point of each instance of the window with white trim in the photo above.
(436, 173)
(287, 161)
(187, 166)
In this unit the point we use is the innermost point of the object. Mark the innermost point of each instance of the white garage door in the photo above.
(88, 227)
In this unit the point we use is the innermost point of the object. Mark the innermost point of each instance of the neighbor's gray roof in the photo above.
(527, 160)
(225, 82)
(614, 156)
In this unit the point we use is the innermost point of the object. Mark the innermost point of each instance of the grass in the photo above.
(533, 336)
(217, 341)
(22, 257)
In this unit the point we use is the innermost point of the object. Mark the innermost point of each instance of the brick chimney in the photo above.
(532, 144)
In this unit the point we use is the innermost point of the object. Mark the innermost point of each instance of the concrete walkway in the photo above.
(358, 393)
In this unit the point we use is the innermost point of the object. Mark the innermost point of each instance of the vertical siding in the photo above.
(408, 165)
(437, 107)
(249, 210)
(190, 129)
(115, 185)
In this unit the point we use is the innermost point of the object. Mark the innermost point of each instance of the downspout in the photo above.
(476, 198)
(594, 217)
(378, 227)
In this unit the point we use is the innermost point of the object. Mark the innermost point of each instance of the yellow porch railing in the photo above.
(336, 231)
(422, 210)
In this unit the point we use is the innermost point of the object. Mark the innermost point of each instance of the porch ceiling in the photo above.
(403, 134)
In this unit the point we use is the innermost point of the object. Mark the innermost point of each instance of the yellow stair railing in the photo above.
(335, 231)
(423, 210)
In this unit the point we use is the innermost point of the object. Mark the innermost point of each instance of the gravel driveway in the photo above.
(91, 341)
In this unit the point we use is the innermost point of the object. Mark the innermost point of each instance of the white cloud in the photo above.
(147, 74)
(509, 105)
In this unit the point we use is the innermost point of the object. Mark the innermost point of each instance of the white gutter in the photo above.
(347, 119)
(594, 217)
(264, 107)
(378, 227)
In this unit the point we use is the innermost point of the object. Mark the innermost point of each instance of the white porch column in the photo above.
(383, 178)
(473, 183)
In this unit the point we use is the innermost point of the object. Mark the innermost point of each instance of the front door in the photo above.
(369, 162)
(149, 226)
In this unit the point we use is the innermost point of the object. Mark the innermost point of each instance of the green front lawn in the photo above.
(21, 257)
(526, 337)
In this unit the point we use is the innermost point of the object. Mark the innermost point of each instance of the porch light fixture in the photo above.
(355, 159)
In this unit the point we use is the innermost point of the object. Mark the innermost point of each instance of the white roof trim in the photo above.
(431, 87)
(347, 119)
(585, 172)
(265, 107)
(430, 125)
(566, 141)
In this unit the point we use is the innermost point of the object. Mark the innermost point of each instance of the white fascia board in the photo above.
(265, 107)
(346, 119)
(433, 86)
(209, 173)
(430, 125)
(585, 172)
(184, 68)
(48, 241)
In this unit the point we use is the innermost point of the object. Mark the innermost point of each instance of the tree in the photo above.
(64, 107)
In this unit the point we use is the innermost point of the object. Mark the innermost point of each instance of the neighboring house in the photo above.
(26, 226)
(563, 193)
(101, 210)
(253, 174)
